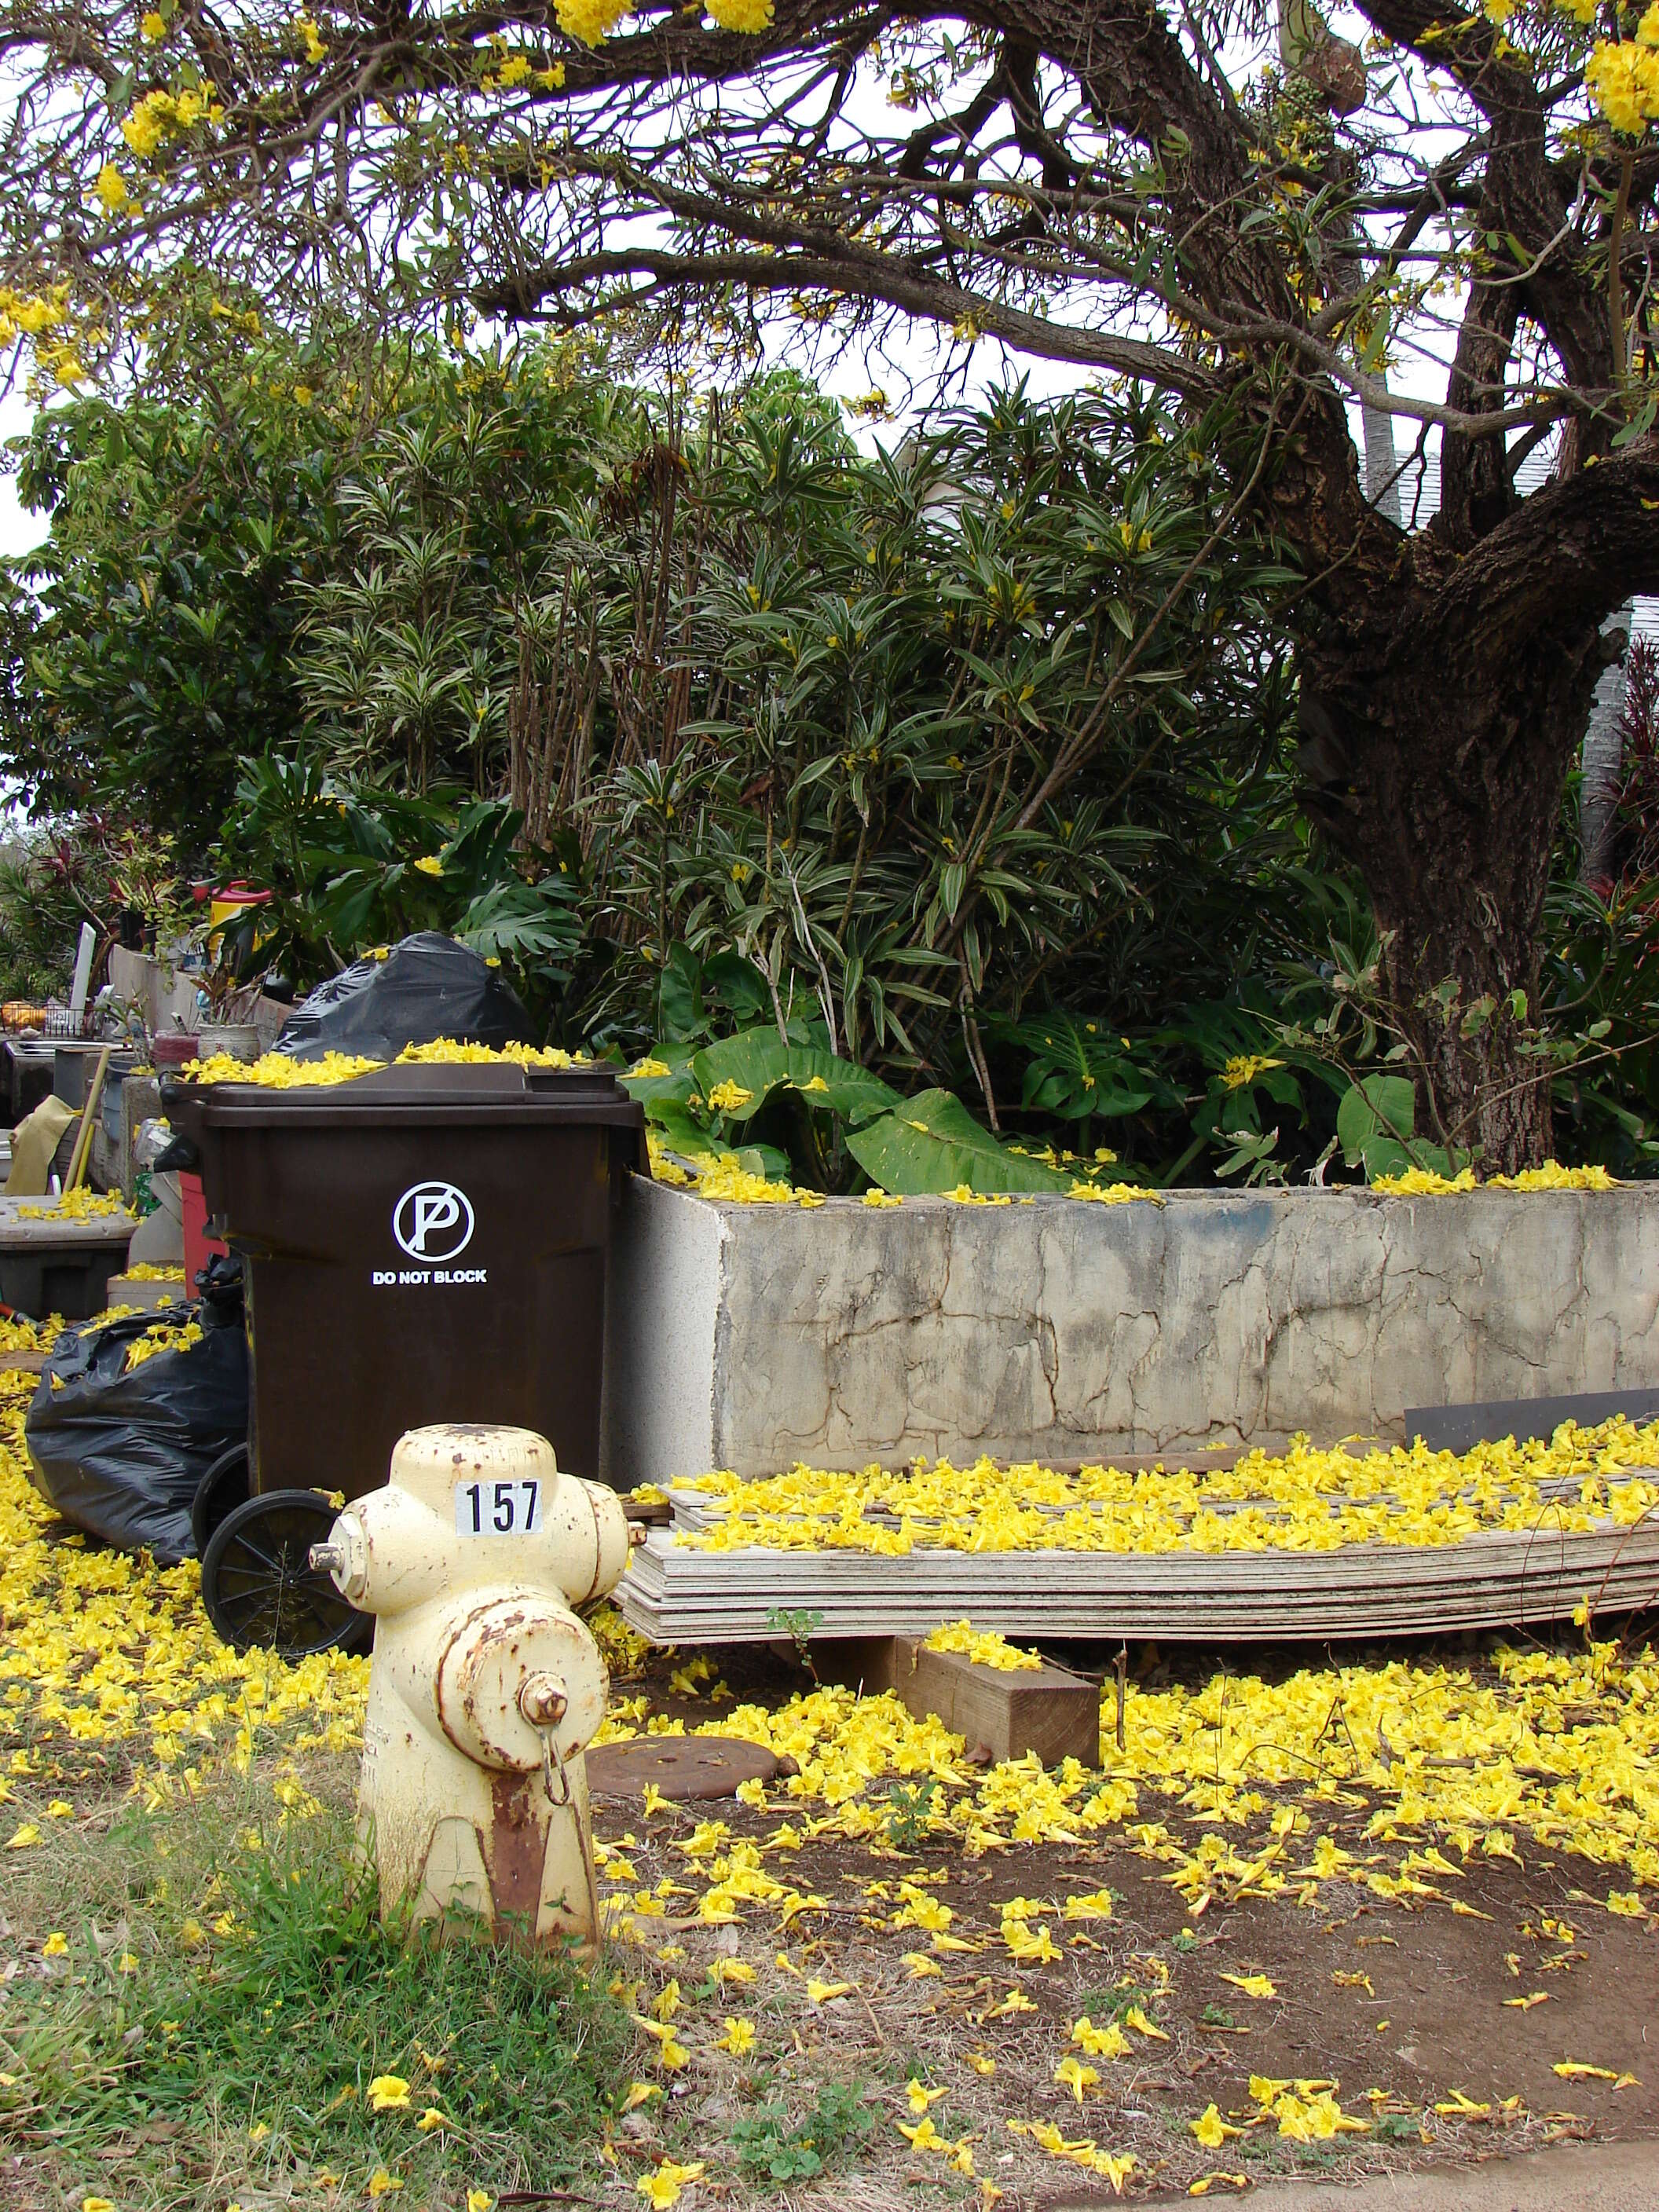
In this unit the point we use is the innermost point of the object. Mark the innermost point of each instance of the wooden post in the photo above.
(82, 1152)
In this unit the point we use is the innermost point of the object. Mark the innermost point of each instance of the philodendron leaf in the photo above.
(676, 1083)
(932, 1143)
(680, 1133)
(1373, 1123)
(758, 1062)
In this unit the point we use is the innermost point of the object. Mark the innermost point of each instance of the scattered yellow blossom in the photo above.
(1072, 2074)
(662, 2187)
(983, 1646)
(1212, 2130)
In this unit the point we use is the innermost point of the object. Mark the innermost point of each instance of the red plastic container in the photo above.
(199, 1247)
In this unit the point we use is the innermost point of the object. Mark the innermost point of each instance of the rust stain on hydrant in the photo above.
(515, 1855)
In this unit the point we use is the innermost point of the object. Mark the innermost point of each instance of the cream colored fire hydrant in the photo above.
(485, 1686)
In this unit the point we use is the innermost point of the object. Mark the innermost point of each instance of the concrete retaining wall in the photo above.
(749, 1337)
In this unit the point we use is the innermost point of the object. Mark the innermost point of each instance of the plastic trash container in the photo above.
(52, 1261)
(425, 1243)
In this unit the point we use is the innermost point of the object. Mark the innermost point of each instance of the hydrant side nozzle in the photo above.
(345, 1557)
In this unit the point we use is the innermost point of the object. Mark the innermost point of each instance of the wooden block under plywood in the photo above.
(1009, 1712)
(868, 1664)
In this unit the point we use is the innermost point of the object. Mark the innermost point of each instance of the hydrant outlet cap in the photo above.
(511, 1657)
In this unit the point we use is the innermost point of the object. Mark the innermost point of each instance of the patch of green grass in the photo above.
(771, 2147)
(1398, 2127)
(1104, 2006)
(225, 2029)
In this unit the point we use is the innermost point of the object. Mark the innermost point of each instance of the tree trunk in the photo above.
(1436, 764)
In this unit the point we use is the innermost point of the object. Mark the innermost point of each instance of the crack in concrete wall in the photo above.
(843, 1332)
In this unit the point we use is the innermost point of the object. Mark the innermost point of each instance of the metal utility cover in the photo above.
(682, 1767)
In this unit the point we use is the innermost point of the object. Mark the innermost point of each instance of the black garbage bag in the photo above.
(427, 986)
(119, 1449)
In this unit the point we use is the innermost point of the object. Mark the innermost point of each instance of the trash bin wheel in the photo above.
(224, 1485)
(258, 1584)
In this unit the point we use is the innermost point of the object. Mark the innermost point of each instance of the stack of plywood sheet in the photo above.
(677, 1592)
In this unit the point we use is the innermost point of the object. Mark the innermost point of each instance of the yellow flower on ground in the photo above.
(432, 2118)
(1072, 2074)
(1253, 1985)
(923, 2135)
(24, 1839)
(479, 2200)
(662, 2187)
(1212, 2130)
(96, 2204)
(382, 2184)
(1107, 2042)
(56, 1944)
(822, 1992)
(388, 2093)
(921, 2096)
(739, 2037)
(640, 2093)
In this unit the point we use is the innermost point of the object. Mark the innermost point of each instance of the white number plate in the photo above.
(498, 1508)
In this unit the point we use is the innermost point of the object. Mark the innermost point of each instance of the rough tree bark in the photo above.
(1444, 698)
(1438, 773)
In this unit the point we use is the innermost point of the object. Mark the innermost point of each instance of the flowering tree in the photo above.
(1117, 184)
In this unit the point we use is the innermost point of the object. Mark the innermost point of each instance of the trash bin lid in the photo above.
(418, 1094)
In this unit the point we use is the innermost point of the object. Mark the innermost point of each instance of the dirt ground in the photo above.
(1407, 2007)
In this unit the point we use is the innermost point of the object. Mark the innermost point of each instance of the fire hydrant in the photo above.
(485, 1686)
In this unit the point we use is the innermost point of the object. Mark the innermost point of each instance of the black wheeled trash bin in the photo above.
(428, 1242)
